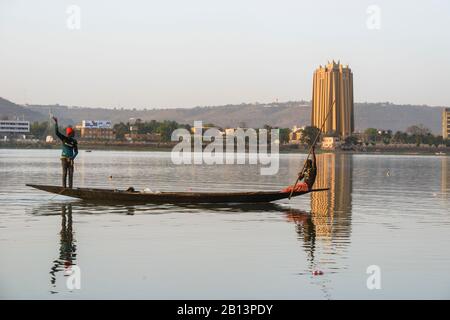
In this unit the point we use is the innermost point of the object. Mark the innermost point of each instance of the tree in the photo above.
(284, 135)
(166, 128)
(438, 141)
(370, 135)
(351, 140)
(400, 137)
(418, 130)
(148, 127)
(121, 129)
(309, 134)
(39, 129)
(386, 136)
(447, 142)
(418, 133)
(429, 139)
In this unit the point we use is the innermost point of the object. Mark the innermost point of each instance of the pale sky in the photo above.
(178, 53)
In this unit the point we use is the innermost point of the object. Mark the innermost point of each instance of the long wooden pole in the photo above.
(311, 147)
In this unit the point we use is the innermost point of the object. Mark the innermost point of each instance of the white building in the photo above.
(330, 143)
(14, 126)
(96, 129)
(295, 135)
(96, 124)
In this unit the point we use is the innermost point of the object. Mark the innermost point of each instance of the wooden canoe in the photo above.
(110, 195)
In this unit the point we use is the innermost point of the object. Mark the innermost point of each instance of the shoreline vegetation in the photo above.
(287, 148)
(155, 135)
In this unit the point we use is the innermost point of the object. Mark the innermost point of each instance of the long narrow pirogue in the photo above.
(110, 195)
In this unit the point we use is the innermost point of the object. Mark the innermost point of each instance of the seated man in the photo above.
(308, 175)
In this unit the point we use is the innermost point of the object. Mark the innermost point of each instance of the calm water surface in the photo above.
(389, 211)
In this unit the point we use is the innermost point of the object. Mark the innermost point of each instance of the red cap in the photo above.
(69, 131)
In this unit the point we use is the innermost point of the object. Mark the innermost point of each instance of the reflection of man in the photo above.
(67, 249)
(305, 226)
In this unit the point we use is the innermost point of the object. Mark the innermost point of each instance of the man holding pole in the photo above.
(308, 175)
(309, 171)
(69, 152)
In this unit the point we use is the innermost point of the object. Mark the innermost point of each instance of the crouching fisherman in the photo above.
(69, 152)
(307, 176)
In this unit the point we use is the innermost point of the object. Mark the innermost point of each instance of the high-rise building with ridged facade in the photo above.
(446, 123)
(333, 82)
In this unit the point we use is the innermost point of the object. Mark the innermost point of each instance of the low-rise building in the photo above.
(134, 125)
(14, 126)
(202, 129)
(143, 137)
(295, 135)
(14, 129)
(330, 143)
(96, 130)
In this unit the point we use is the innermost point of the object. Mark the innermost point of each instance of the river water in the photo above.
(386, 214)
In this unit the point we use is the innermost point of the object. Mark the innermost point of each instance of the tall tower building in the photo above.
(333, 82)
(446, 123)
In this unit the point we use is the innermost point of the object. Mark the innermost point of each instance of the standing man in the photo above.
(69, 152)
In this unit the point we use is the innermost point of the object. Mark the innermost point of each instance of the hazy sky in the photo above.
(176, 53)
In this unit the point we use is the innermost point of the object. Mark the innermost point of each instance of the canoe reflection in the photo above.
(82, 207)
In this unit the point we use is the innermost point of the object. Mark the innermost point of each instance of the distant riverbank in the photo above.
(168, 146)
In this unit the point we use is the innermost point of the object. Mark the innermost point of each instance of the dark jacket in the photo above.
(69, 145)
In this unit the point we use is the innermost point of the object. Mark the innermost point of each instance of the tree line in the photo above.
(416, 134)
(164, 128)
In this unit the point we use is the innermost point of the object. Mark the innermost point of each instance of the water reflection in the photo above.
(445, 176)
(332, 209)
(305, 229)
(88, 208)
(330, 219)
(82, 207)
(380, 212)
(67, 247)
(325, 231)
